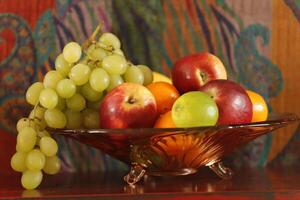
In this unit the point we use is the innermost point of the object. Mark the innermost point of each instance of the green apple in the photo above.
(194, 109)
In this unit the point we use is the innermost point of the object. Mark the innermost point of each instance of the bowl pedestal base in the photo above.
(223, 172)
(137, 172)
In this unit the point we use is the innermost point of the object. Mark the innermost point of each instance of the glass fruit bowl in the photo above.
(175, 151)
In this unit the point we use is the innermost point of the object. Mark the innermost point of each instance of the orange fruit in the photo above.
(165, 95)
(259, 107)
(165, 121)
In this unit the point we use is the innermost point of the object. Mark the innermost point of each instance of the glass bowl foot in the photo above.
(178, 172)
(222, 171)
(136, 173)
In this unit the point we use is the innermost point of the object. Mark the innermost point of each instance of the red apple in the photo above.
(129, 105)
(191, 72)
(233, 102)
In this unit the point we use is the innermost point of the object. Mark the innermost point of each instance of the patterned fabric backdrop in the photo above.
(248, 36)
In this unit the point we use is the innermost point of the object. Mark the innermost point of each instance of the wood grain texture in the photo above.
(247, 184)
(285, 52)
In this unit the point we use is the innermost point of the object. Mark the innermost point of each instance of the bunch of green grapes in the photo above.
(69, 97)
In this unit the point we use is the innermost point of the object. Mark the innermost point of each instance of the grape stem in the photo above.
(34, 109)
(33, 118)
(92, 38)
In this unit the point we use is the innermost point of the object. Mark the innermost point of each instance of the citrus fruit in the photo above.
(165, 121)
(259, 106)
(165, 95)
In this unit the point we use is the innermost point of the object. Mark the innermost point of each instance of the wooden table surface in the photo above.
(252, 183)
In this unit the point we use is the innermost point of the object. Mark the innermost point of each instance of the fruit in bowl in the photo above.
(260, 109)
(165, 121)
(136, 115)
(165, 95)
(234, 104)
(128, 106)
(194, 109)
(193, 71)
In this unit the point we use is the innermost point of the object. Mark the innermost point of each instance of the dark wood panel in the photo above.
(251, 183)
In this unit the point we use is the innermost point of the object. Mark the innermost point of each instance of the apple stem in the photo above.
(203, 76)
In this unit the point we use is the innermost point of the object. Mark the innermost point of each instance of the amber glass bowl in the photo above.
(175, 151)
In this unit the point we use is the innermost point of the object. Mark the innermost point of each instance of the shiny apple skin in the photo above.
(128, 106)
(233, 102)
(193, 71)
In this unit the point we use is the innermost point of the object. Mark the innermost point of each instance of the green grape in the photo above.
(96, 53)
(74, 119)
(37, 120)
(48, 146)
(85, 60)
(18, 148)
(52, 165)
(37, 124)
(110, 40)
(80, 74)
(62, 66)
(92, 66)
(99, 79)
(97, 65)
(55, 118)
(119, 52)
(90, 118)
(76, 102)
(148, 75)
(35, 160)
(17, 162)
(26, 139)
(94, 105)
(48, 98)
(31, 179)
(134, 75)
(51, 79)
(89, 93)
(33, 93)
(61, 104)
(72, 52)
(43, 133)
(115, 64)
(41, 124)
(66, 88)
(115, 80)
(38, 113)
(24, 122)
